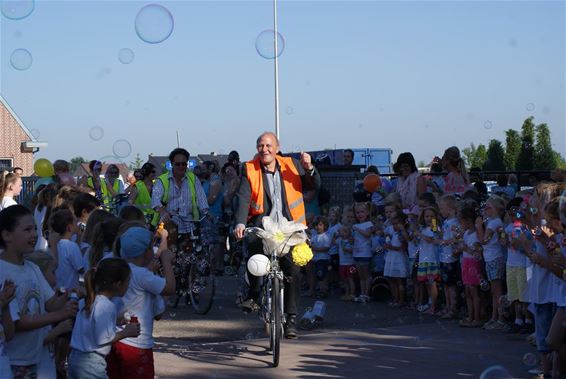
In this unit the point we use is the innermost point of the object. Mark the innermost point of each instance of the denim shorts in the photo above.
(87, 365)
(544, 313)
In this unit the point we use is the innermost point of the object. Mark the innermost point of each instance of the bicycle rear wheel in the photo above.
(202, 285)
(275, 321)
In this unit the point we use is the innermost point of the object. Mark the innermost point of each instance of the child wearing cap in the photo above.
(133, 357)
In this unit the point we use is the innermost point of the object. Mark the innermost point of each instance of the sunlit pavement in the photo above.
(356, 341)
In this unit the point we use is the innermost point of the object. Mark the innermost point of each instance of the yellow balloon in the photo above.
(43, 168)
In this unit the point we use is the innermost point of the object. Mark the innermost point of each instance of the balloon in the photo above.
(42, 182)
(168, 166)
(372, 183)
(43, 168)
(258, 265)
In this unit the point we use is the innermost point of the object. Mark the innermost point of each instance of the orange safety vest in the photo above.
(291, 182)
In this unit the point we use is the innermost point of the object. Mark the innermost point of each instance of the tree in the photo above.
(560, 161)
(421, 163)
(545, 158)
(475, 156)
(137, 163)
(526, 154)
(495, 157)
(75, 163)
(512, 149)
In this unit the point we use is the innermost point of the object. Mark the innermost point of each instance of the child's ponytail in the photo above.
(90, 278)
(104, 277)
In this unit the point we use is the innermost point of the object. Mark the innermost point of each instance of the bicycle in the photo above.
(193, 267)
(271, 307)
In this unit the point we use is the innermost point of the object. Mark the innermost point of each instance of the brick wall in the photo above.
(11, 138)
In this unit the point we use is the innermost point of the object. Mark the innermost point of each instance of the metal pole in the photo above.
(276, 35)
(178, 139)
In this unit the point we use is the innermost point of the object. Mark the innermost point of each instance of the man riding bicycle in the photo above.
(272, 185)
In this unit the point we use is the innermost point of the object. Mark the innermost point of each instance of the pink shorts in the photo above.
(471, 272)
(347, 271)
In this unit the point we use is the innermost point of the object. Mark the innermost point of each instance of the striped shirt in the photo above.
(179, 205)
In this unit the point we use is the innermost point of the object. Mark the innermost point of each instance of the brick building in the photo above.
(17, 144)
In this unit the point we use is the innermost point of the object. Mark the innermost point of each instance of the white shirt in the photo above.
(86, 258)
(46, 367)
(515, 258)
(470, 240)
(448, 233)
(493, 249)
(69, 264)
(39, 216)
(543, 285)
(7, 202)
(94, 332)
(143, 292)
(362, 245)
(345, 258)
(32, 291)
(429, 251)
(321, 241)
(5, 370)
(331, 232)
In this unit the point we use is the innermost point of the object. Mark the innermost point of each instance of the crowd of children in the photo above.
(498, 264)
(80, 301)
(79, 291)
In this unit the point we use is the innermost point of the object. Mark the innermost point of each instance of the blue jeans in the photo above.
(543, 319)
(87, 365)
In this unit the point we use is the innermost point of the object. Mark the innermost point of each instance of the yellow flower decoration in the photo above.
(301, 254)
(279, 236)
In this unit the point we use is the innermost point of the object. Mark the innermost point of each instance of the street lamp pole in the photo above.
(276, 59)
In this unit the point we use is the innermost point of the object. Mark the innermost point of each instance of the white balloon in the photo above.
(258, 265)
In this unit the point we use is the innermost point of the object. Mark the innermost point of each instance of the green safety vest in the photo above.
(143, 202)
(105, 194)
(191, 179)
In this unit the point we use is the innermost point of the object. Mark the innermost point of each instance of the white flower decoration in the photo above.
(280, 237)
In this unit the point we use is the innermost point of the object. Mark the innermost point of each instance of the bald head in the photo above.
(270, 135)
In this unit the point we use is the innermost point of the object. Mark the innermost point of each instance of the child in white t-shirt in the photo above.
(344, 244)
(470, 249)
(362, 232)
(449, 265)
(516, 266)
(36, 304)
(95, 326)
(489, 235)
(320, 244)
(428, 270)
(69, 257)
(397, 260)
(134, 356)
(334, 226)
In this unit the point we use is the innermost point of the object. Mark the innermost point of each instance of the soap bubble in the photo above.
(154, 23)
(96, 133)
(530, 360)
(126, 56)
(121, 148)
(488, 124)
(17, 9)
(530, 107)
(21, 59)
(264, 44)
(289, 110)
(496, 372)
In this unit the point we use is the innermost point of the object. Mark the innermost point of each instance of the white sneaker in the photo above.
(359, 299)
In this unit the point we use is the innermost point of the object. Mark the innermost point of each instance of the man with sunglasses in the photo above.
(178, 195)
(272, 185)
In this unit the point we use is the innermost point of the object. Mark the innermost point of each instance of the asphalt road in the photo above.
(355, 341)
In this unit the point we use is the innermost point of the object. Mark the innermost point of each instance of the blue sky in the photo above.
(411, 76)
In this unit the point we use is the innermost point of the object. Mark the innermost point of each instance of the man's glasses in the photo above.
(180, 164)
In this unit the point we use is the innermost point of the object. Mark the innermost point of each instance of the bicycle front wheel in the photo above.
(275, 321)
(202, 286)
